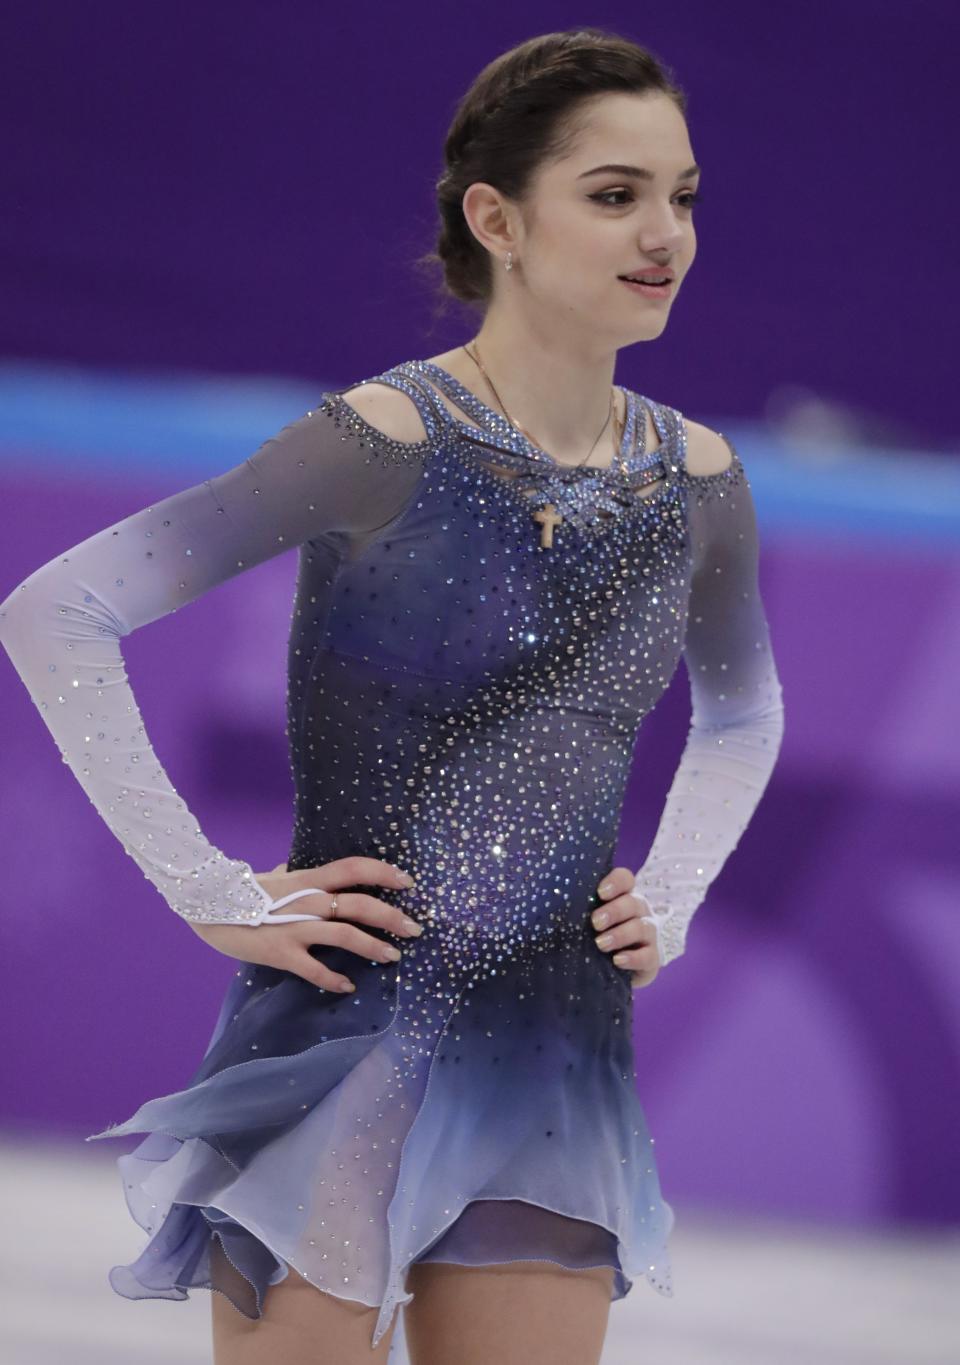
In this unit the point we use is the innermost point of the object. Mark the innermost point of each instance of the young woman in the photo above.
(423, 1092)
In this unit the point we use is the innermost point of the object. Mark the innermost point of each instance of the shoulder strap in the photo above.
(434, 415)
(671, 429)
(667, 420)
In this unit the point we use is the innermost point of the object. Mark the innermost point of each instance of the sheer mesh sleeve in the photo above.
(62, 626)
(736, 714)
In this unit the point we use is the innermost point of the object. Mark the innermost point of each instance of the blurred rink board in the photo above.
(189, 427)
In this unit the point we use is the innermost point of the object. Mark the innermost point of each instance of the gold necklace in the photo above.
(548, 517)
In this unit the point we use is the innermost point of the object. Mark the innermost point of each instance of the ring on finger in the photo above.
(333, 905)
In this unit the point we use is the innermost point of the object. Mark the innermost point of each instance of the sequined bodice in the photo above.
(464, 685)
(519, 672)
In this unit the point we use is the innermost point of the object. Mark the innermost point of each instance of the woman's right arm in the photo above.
(62, 627)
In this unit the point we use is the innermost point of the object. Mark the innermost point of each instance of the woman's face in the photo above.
(582, 228)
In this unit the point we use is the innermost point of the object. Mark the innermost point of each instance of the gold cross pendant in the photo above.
(548, 519)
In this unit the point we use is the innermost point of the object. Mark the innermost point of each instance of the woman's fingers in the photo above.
(290, 890)
(267, 946)
(615, 883)
(357, 869)
(625, 907)
(318, 973)
(358, 905)
(620, 928)
(309, 891)
(337, 934)
(630, 944)
(342, 934)
(369, 910)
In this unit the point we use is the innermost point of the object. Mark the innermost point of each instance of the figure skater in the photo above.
(421, 1088)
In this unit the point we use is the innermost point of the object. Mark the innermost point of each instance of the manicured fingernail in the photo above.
(604, 941)
(412, 927)
(620, 959)
(405, 878)
(600, 918)
(347, 986)
(606, 889)
(394, 954)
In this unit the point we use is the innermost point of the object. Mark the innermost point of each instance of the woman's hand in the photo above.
(633, 943)
(286, 946)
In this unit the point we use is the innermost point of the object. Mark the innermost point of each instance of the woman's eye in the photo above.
(686, 200)
(603, 197)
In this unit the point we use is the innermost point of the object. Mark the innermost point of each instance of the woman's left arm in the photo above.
(736, 713)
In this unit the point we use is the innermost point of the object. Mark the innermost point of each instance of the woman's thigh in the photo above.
(301, 1325)
(516, 1313)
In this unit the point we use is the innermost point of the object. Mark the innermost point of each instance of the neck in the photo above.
(559, 393)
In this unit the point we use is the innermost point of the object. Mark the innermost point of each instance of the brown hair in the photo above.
(520, 112)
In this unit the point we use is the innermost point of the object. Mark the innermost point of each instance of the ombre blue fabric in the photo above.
(465, 691)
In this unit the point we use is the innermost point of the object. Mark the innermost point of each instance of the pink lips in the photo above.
(653, 291)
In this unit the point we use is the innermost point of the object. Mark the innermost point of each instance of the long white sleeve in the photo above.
(62, 628)
(737, 713)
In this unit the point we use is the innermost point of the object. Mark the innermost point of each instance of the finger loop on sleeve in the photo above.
(268, 916)
(284, 900)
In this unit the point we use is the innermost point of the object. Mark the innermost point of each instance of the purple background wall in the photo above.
(241, 189)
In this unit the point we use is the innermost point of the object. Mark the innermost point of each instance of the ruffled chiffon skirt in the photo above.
(416, 1119)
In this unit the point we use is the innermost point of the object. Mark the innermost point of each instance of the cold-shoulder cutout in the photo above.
(387, 411)
(708, 452)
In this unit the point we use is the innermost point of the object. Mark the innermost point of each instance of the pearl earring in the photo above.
(508, 263)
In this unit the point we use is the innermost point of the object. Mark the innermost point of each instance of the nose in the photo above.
(661, 232)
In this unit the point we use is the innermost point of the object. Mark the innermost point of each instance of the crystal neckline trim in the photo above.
(494, 424)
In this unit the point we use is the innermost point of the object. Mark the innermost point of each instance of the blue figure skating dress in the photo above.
(478, 633)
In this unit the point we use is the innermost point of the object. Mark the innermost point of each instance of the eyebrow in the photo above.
(640, 172)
